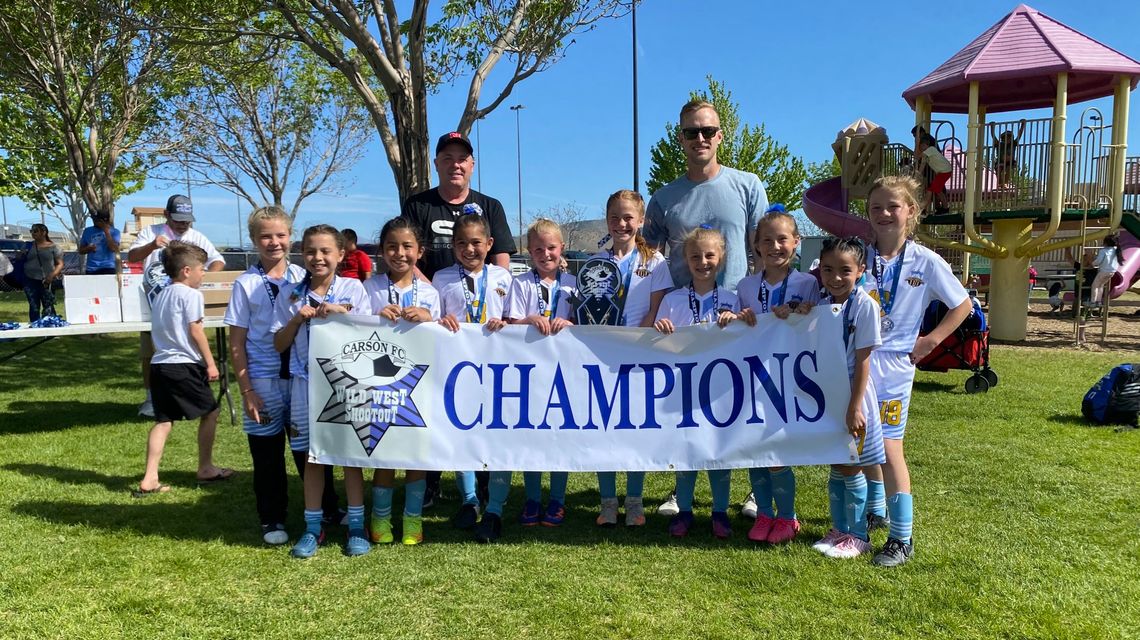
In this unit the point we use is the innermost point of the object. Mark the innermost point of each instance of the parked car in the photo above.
(519, 268)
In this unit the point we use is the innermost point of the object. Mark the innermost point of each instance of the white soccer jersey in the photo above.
(523, 299)
(343, 291)
(175, 308)
(192, 236)
(382, 293)
(643, 283)
(757, 294)
(678, 305)
(252, 308)
(457, 288)
(917, 276)
(860, 322)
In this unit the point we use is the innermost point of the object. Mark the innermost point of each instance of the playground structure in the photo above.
(1015, 184)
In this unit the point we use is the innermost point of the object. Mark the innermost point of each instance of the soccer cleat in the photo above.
(274, 534)
(721, 527)
(669, 507)
(489, 529)
(608, 515)
(783, 530)
(357, 543)
(634, 512)
(680, 524)
(828, 541)
(555, 514)
(467, 517)
(307, 546)
(748, 509)
(146, 409)
(759, 531)
(531, 513)
(877, 522)
(894, 553)
(413, 530)
(848, 547)
(380, 530)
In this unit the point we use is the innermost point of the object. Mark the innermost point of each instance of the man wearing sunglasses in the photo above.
(728, 200)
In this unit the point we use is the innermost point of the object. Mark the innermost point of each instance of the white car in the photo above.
(519, 268)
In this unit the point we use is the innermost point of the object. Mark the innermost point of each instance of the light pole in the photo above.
(636, 177)
(518, 156)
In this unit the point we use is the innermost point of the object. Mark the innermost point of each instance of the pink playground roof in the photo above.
(1015, 62)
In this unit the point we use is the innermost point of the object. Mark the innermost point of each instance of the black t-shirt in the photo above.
(436, 218)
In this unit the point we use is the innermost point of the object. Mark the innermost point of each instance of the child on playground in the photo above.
(320, 294)
(1056, 304)
(940, 170)
(539, 297)
(1107, 261)
(842, 263)
(645, 278)
(702, 301)
(905, 278)
(263, 374)
(1005, 151)
(400, 295)
(778, 289)
(182, 367)
(476, 292)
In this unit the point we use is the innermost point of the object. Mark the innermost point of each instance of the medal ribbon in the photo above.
(468, 295)
(878, 269)
(627, 277)
(394, 295)
(695, 305)
(764, 293)
(269, 286)
(556, 294)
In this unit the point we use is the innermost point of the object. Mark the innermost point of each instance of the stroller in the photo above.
(968, 347)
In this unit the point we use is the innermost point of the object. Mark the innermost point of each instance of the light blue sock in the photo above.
(465, 482)
(720, 482)
(876, 498)
(532, 480)
(836, 499)
(413, 498)
(313, 521)
(497, 490)
(901, 508)
(355, 517)
(558, 480)
(382, 501)
(607, 484)
(634, 484)
(761, 481)
(686, 486)
(784, 493)
(855, 497)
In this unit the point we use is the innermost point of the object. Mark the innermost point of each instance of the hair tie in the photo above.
(706, 226)
(777, 207)
(471, 207)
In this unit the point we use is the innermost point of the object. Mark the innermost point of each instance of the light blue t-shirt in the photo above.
(732, 202)
(101, 257)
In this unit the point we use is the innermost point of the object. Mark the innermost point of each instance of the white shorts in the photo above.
(299, 414)
(873, 450)
(892, 374)
(274, 394)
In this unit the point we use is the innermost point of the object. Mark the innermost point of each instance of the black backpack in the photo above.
(1115, 398)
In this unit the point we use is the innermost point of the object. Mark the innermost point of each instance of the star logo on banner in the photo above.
(372, 390)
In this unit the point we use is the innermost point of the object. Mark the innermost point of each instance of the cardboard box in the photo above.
(91, 299)
(133, 298)
(216, 289)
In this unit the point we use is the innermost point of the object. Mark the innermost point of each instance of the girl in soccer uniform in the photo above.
(903, 277)
(320, 293)
(778, 289)
(262, 373)
(474, 291)
(400, 295)
(842, 263)
(702, 301)
(645, 278)
(539, 297)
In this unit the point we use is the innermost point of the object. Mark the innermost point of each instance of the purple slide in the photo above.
(1129, 249)
(824, 205)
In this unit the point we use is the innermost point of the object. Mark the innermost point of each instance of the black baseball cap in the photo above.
(179, 209)
(453, 138)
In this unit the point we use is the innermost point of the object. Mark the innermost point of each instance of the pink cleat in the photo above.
(760, 530)
(828, 541)
(849, 547)
(783, 530)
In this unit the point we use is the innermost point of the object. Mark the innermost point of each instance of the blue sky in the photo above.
(804, 69)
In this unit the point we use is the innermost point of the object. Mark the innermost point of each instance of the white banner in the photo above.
(416, 396)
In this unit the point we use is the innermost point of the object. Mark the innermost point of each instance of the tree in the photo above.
(570, 218)
(394, 64)
(277, 120)
(747, 148)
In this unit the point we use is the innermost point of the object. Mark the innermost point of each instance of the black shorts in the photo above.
(180, 391)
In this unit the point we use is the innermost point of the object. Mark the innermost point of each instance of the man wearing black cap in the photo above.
(436, 210)
(147, 248)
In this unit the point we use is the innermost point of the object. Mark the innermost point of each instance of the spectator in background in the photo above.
(356, 263)
(43, 262)
(100, 243)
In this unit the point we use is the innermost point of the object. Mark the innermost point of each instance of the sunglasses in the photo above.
(690, 133)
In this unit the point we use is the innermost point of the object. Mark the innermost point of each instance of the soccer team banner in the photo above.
(417, 396)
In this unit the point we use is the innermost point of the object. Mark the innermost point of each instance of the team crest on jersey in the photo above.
(372, 382)
(501, 291)
(915, 279)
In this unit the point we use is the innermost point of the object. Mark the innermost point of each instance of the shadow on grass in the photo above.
(931, 385)
(63, 362)
(1081, 421)
(42, 417)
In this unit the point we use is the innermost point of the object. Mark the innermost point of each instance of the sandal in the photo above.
(222, 475)
(139, 492)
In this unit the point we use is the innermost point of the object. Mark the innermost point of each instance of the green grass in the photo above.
(1027, 527)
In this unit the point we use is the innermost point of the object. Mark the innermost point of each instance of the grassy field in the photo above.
(1027, 527)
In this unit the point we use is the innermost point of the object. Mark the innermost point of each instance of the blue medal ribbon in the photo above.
(394, 294)
(556, 294)
(878, 270)
(477, 313)
(764, 293)
(625, 268)
(695, 305)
